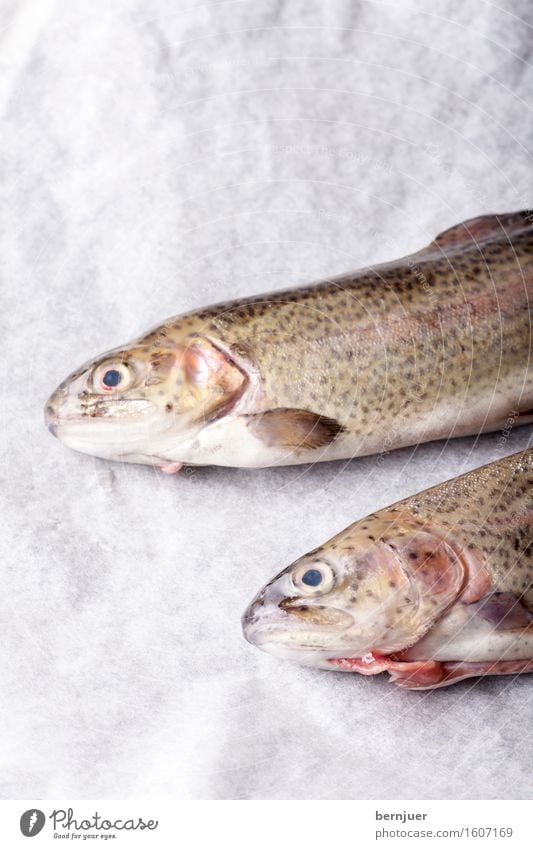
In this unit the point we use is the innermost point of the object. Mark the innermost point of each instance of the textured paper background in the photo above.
(156, 157)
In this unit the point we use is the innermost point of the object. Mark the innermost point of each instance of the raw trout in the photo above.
(436, 588)
(434, 345)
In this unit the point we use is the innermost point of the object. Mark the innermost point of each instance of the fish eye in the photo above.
(312, 578)
(110, 376)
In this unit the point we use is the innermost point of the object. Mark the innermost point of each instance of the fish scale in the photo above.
(434, 345)
(480, 300)
(433, 589)
(498, 521)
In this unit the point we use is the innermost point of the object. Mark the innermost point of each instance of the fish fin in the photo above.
(415, 674)
(481, 228)
(371, 664)
(291, 428)
(430, 674)
(170, 468)
(504, 611)
(453, 672)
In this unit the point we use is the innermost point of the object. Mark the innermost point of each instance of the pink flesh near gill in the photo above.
(171, 468)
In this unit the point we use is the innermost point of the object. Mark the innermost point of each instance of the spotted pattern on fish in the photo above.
(434, 589)
(337, 345)
(491, 509)
(345, 340)
(434, 345)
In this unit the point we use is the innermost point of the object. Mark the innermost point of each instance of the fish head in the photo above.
(139, 402)
(373, 590)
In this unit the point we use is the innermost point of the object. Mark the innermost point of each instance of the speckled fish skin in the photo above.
(434, 589)
(431, 346)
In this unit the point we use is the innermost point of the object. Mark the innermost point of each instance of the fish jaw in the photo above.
(106, 440)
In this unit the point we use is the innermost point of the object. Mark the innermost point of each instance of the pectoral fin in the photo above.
(431, 674)
(498, 623)
(414, 675)
(452, 673)
(504, 611)
(288, 428)
(494, 636)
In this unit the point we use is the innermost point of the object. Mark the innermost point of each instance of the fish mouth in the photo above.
(308, 650)
(50, 419)
(281, 635)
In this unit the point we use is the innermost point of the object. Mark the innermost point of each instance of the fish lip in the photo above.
(63, 423)
(252, 625)
(50, 419)
(313, 654)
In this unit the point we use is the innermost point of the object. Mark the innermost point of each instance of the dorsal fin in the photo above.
(482, 228)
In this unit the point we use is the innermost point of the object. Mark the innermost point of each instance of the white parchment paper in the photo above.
(159, 156)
